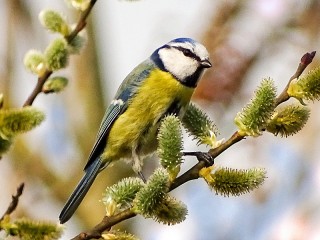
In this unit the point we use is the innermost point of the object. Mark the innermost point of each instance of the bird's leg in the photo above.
(140, 174)
(201, 156)
(137, 165)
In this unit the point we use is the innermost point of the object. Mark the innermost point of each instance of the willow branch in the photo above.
(304, 63)
(82, 22)
(14, 202)
(105, 224)
(193, 172)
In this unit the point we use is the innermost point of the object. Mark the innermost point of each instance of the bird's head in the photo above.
(184, 58)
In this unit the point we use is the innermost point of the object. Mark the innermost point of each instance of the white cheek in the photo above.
(177, 63)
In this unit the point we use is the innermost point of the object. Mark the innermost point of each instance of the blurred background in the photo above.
(248, 40)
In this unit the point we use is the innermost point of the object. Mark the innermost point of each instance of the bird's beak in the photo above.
(206, 63)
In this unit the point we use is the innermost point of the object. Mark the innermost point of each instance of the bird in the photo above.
(159, 86)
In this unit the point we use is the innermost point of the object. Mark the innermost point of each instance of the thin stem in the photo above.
(14, 203)
(82, 22)
(38, 88)
(304, 63)
(105, 224)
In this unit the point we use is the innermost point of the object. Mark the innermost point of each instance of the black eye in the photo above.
(187, 53)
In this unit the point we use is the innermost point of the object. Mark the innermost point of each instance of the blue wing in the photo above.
(118, 106)
(95, 162)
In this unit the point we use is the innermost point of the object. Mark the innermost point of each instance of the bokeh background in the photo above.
(248, 40)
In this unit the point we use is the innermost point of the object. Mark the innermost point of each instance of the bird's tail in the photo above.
(81, 190)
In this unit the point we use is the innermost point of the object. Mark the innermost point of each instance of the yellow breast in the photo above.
(136, 129)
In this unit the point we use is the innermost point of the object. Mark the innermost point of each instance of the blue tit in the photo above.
(161, 85)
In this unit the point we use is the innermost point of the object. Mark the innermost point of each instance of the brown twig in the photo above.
(14, 202)
(82, 22)
(105, 224)
(193, 172)
(304, 63)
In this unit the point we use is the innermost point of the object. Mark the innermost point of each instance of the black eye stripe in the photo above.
(188, 53)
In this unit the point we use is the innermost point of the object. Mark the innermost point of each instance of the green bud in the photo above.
(81, 5)
(55, 85)
(253, 118)
(34, 61)
(5, 144)
(15, 121)
(78, 42)
(307, 87)
(56, 54)
(288, 120)
(170, 145)
(227, 181)
(170, 211)
(118, 235)
(121, 194)
(36, 230)
(54, 22)
(200, 126)
(152, 195)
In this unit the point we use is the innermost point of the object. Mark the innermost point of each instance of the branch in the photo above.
(82, 22)
(304, 63)
(105, 224)
(14, 203)
(193, 172)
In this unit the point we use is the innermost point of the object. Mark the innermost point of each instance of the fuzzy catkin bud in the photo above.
(34, 61)
(288, 120)
(200, 126)
(5, 144)
(81, 5)
(15, 121)
(171, 211)
(36, 230)
(56, 54)
(121, 194)
(227, 181)
(55, 85)
(253, 118)
(307, 87)
(54, 22)
(170, 145)
(77, 43)
(118, 235)
(151, 196)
